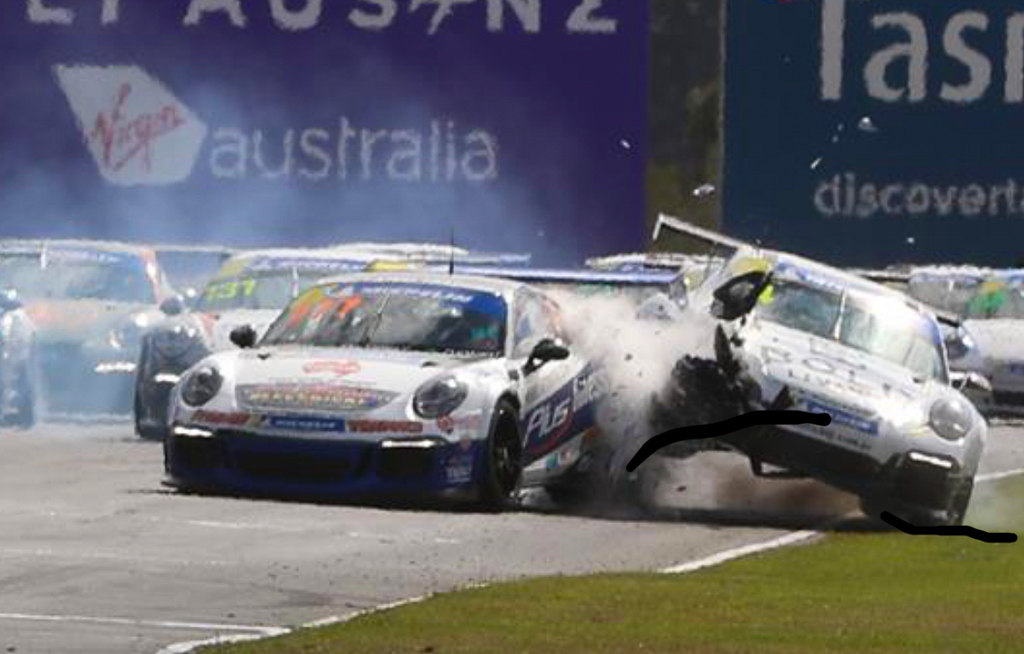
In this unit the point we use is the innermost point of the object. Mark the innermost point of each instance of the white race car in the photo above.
(398, 382)
(795, 334)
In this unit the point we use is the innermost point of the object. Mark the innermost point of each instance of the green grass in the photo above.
(854, 592)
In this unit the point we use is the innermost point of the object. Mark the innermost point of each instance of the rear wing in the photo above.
(714, 239)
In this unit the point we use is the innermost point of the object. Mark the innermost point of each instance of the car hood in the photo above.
(218, 326)
(77, 320)
(825, 369)
(335, 379)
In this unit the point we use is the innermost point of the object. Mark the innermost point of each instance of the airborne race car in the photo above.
(402, 382)
(795, 334)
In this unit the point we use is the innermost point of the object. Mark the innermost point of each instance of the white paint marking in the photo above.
(162, 624)
(737, 552)
(993, 476)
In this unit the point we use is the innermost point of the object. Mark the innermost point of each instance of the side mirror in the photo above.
(970, 381)
(9, 300)
(172, 306)
(244, 336)
(548, 349)
(738, 296)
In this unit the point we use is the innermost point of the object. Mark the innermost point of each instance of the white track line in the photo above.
(162, 624)
(738, 552)
(718, 558)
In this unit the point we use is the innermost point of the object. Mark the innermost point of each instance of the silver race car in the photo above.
(795, 334)
(18, 365)
(399, 382)
(990, 304)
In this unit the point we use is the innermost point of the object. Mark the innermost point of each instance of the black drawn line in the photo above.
(952, 530)
(750, 419)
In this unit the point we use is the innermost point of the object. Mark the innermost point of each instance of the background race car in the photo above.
(403, 382)
(90, 302)
(991, 305)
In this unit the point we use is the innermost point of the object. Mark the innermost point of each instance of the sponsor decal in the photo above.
(459, 468)
(222, 417)
(304, 423)
(548, 422)
(385, 426)
(337, 368)
(446, 424)
(313, 397)
(845, 418)
(135, 129)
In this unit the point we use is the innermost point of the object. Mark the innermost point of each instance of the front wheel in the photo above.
(502, 457)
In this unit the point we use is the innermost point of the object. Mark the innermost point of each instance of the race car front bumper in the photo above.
(342, 466)
(917, 480)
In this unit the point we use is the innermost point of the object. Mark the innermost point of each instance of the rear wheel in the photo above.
(502, 460)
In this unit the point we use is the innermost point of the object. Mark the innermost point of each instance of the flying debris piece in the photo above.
(703, 190)
(867, 125)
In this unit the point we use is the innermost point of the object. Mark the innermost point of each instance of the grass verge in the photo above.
(854, 592)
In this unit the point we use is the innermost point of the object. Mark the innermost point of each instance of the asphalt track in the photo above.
(97, 556)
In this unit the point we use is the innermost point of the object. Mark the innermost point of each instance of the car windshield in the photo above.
(399, 315)
(78, 275)
(264, 290)
(879, 326)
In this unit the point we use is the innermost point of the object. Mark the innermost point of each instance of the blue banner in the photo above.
(871, 132)
(519, 124)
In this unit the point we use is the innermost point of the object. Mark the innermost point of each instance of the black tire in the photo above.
(502, 461)
(698, 393)
(138, 408)
(960, 499)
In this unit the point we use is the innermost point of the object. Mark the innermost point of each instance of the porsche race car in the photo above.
(990, 304)
(796, 334)
(400, 382)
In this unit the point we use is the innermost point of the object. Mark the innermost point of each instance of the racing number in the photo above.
(231, 289)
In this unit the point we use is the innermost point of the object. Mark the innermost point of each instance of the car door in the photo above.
(558, 406)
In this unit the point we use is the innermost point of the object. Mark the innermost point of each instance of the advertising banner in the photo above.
(516, 124)
(872, 132)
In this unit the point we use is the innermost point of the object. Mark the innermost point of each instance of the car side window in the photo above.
(536, 316)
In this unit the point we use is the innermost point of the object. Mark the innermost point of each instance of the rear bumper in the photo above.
(254, 464)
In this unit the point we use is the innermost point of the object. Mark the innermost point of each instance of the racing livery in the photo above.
(389, 382)
(90, 302)
(795, 334)
(17, 363)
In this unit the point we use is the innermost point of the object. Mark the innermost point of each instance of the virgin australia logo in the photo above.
(136, 130)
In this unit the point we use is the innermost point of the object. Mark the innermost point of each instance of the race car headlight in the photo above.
(172, 343)
(439, 397)
(951, 419)
(201, 386)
